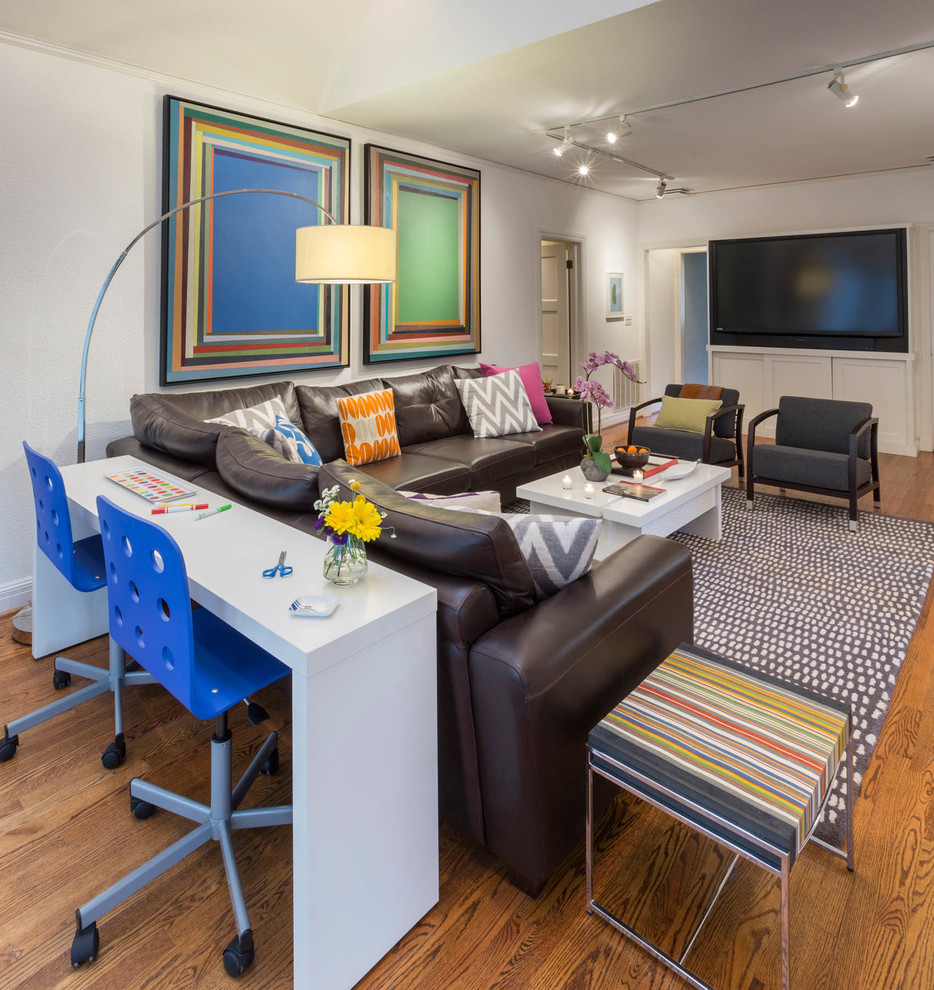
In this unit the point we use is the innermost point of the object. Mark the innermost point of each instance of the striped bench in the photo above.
(740, 756)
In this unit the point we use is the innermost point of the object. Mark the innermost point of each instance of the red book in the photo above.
(655, 464)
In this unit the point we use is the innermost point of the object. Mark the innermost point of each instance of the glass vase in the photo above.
(345, 563)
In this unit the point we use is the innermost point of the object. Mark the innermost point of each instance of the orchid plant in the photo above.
(592, 391)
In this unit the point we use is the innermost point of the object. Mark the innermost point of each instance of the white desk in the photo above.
(690, 504)
(364, 705)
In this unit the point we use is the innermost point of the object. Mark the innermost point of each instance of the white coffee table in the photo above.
(691, 505)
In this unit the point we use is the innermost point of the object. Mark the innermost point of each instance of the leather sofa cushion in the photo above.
(463, 544)
(320, 416)
(250, 466)
(176, 423)
(815, 468)
(487, 458)
(428, 406)
(552, 442)
(680, 443)
(420, 472)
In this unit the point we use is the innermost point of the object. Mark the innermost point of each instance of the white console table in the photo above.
(364, 704)
(764, 374)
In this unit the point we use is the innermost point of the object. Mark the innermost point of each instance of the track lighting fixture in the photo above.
(560, 149)
(583, 168)
(623, 129)
(838, 87)
(660, 189)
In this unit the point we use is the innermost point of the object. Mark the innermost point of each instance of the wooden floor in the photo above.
(66, 832)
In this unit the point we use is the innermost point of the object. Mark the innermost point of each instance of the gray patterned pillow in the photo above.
(257, 419)
(557, 549)
(497, 406)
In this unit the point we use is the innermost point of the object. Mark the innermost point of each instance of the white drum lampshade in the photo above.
(345, 253)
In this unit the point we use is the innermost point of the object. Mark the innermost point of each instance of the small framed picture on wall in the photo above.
(614, 295)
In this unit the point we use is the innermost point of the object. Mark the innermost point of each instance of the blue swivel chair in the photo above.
(82, 565)
(209, 667)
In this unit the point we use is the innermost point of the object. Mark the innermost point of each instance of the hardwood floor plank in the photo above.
(66, 831)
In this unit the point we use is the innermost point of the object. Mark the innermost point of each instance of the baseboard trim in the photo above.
(15, 595)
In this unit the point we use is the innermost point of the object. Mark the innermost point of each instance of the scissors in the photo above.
(280, 567)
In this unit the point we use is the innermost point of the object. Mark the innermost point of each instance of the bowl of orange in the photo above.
(632, 457)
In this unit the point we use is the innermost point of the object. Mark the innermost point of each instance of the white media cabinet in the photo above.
(764, 374)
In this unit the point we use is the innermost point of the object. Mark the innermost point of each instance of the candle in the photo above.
(566, 483)
(637, 474)
(588, 490)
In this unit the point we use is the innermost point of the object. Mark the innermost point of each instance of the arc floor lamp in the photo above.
(330, 253)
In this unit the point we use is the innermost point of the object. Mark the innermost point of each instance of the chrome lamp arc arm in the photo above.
(376, 264)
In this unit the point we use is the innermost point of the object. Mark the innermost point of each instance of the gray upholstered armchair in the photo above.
(825, 446)
(720, 441)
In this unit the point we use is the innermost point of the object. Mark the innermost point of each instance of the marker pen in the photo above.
(213, 512)
(178, 508)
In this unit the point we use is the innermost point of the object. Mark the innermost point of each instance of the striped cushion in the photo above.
(756, 752)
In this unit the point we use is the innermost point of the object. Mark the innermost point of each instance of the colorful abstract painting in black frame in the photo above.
(433, 308)
(231, 307)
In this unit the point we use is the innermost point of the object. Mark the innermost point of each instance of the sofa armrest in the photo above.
(567, 412)
(542, 679)
(250, 466)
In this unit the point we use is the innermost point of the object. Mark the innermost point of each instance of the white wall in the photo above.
(80, 162)
(883, 199)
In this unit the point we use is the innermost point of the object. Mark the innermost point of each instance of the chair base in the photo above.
(113, 679)
(216, 821)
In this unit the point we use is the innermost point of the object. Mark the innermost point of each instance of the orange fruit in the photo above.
(643, 450)
(632, 450)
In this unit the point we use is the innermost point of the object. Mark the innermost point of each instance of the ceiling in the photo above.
(489, 79)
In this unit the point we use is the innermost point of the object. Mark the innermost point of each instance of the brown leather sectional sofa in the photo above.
(520, 681)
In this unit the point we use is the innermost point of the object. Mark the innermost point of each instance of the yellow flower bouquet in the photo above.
(348, 526)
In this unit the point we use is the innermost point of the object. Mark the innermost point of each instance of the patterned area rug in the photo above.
(792, 592)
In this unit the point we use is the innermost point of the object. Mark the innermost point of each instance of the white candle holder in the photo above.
(567, 483)
(588, 490)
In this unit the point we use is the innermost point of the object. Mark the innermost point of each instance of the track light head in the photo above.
(583, 168)
(622, 129)
(559, 149)
(839, 88)
(660, 189)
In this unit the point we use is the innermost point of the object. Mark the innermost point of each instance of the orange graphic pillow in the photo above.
(368, 426)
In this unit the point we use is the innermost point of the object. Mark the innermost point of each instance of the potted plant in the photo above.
(596, 464)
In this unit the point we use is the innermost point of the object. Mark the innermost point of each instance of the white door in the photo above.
(555, 358)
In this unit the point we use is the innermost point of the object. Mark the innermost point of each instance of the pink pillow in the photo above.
(531, 375)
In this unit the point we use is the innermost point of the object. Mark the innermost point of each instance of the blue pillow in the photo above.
(292, 443)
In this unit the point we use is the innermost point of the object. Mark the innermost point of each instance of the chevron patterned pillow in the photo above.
(497, 406)
(557, 549)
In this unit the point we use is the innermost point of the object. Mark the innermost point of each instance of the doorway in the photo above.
(559, 302)
(694, 317)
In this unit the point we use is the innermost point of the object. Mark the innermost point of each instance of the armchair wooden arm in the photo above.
(633, 410)
(871, 423)
(737, 412)
(750, 445)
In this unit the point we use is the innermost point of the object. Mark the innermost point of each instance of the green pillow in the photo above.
(685, 414)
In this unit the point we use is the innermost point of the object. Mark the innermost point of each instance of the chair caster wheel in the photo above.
(141, 809)
(272, 763)
(113, 755)
(85, 945)
(8, 748)
(238, 956)
(60, 679)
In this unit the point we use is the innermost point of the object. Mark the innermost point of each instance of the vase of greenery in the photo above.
(596, 463)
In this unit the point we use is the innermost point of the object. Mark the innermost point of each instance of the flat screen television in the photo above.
(841, 290)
